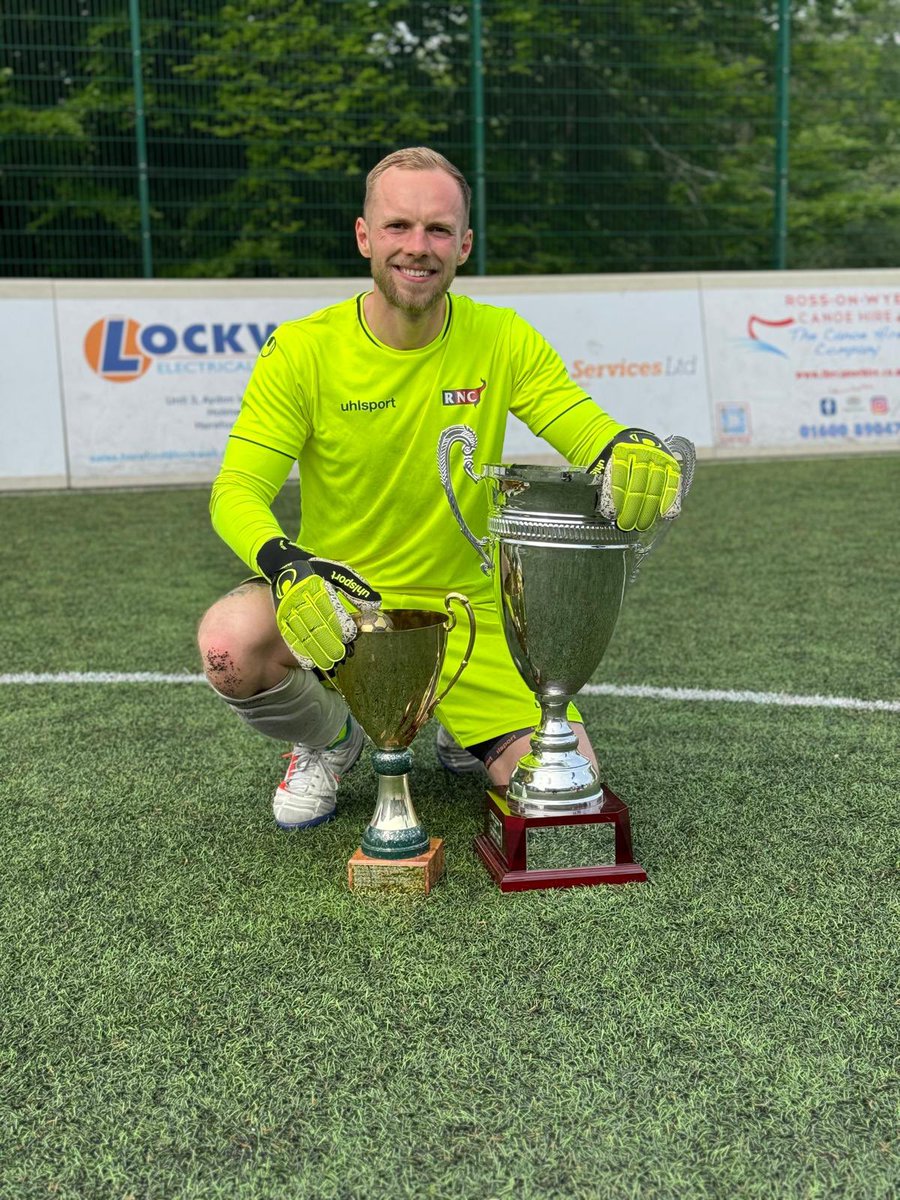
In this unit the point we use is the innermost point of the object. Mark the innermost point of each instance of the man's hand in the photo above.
(640, 480)
(308, 611)
(310, 617)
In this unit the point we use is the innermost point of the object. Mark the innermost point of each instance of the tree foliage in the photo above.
(617, 136)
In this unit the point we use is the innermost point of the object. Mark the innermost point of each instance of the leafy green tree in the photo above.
(618, 136)
(309, 97)
(844, 205)
(608, 123)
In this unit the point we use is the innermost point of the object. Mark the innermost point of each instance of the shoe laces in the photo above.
(301, 772)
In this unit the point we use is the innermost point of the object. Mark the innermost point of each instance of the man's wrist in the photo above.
(630, 436)
(278, 553)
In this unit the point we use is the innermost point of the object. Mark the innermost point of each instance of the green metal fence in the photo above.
(143, 138)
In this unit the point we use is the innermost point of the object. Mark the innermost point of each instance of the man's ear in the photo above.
(465, 248)
(362, 237)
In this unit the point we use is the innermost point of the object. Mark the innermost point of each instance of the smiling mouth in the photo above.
(415, 273)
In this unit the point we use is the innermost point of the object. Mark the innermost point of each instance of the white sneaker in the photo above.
(454, 757)
(308, 793)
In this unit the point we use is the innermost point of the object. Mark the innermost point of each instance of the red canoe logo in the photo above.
(463, 395)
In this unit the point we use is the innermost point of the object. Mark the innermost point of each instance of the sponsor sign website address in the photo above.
(153, 455)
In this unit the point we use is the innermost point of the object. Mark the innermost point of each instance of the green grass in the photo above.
(194, 1005)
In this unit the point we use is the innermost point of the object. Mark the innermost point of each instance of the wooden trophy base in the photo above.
(503, 847)
(410, 876)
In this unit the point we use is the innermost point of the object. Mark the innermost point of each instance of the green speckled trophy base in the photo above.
(394, 843)
(392, 762)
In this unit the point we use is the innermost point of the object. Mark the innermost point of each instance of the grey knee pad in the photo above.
(299, 709)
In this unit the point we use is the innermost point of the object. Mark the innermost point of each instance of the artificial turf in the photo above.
(194, 1005)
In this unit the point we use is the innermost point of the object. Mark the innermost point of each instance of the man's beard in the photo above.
(388, 286)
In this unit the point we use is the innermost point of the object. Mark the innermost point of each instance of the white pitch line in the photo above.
(627, 691)
(776, 699)
(102, 677)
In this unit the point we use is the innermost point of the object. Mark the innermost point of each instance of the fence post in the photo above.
(782, 129)
(140, 133)
(477, 60)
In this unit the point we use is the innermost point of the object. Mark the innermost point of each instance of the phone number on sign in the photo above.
(858, 429)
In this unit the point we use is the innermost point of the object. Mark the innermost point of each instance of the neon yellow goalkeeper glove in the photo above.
(640, 480)
(308, 611)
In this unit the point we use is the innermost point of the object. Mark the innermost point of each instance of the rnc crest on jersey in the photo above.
(451, 396)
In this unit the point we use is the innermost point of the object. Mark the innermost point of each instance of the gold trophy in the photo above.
(389, 680)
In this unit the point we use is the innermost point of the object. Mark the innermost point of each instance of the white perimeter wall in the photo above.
(127, 382)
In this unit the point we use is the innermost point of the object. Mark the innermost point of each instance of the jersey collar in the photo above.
(364, 325)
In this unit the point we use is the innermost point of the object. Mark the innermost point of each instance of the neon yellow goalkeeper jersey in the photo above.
(363, 421)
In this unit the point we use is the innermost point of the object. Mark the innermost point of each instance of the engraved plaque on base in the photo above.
(408, 876)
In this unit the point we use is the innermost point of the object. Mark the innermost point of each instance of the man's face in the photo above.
(414, 233)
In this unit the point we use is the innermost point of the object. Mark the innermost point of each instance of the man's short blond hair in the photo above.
(419, 158)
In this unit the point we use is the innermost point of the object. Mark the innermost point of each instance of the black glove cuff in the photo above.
(627, 435)
(277, 554)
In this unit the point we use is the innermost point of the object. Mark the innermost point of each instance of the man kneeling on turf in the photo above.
(357, 395)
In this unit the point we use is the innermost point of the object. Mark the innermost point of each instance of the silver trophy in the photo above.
(560, 570)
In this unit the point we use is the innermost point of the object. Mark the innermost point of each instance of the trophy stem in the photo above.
(394, 831)
(554, 732)
(554, 777)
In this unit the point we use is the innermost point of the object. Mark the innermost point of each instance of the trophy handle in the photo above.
(464, 601)
(469, 440)
(684, 451)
